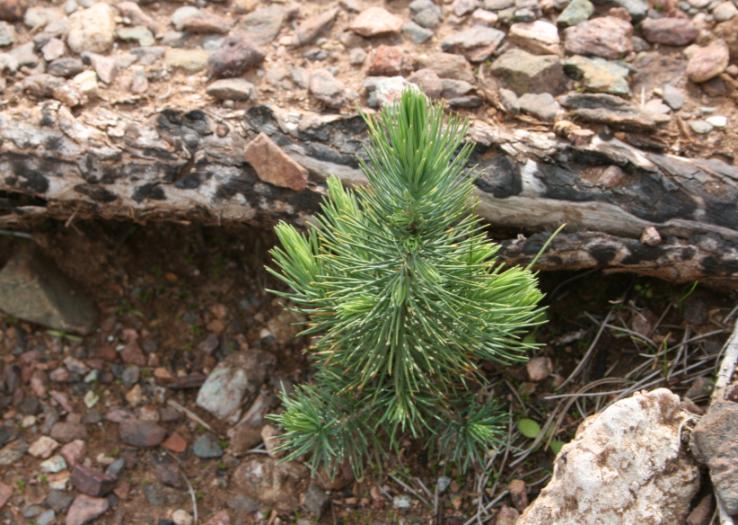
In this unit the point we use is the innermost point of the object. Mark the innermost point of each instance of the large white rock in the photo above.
(235, 381)
(626, 465)
(92, 29)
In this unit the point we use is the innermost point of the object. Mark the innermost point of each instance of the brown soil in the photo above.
(175, 285)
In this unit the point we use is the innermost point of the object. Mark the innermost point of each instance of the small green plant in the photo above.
(407, 299)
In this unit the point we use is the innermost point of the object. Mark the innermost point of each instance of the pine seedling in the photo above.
(405, 300)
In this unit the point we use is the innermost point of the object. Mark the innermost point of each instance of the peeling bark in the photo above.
(177, 165)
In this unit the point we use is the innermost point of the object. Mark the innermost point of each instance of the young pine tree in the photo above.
(403, 291)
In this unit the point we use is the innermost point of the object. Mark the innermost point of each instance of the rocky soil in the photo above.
(148, 408)
(660, 74)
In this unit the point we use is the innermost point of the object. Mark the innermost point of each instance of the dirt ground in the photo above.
(182, 288)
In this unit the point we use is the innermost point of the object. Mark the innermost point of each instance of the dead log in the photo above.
(626, 209)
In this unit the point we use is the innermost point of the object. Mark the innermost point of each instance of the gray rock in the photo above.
(65, 67)
(598, 74)
(32, 288)
(416, 33)
(385, 90)
(674, 97)
(509, 101)
(540, 105)
(476, 43)
(576, 12)
(236, 55)
(130, 375)
(140, 34)
(637, 9)
(315, 500)
(464, 7)
(609, 109)
(425, 13)
(311, 28)
(263, 24)
(58, 500)
(7, 34)
(12, 452)
(701, 127)
(326, 88)
(231, 89)
(452, 88)
(523, 72)
(234, 381)
(715, 444)
(115, 468)
(466, 101)
(207, 447)
(141, 434)
(46, 518)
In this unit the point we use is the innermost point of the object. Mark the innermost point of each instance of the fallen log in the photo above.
(626, 209)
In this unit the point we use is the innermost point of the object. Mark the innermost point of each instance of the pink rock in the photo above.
(606, 37)
(273, 165)
(85, 508)
(376, 21)
(386, 61)
(43, 447)
(74, 452)
(66, 432)
(62, 399)
(141, 433)
(708, 62)
(539, 368)
(133, 355)
(669, 31)
(38, 383)
(428, 81)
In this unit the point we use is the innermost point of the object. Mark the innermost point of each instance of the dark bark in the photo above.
(188, 166)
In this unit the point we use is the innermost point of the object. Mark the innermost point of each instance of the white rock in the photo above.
(238, 376)
(54, 464)
(540, 37)
(43, 447)
(92, 29)
(717, 121)
(181, 517)
(86, 82)
(626, 465)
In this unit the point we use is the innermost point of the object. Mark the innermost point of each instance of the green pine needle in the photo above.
(401, 284)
